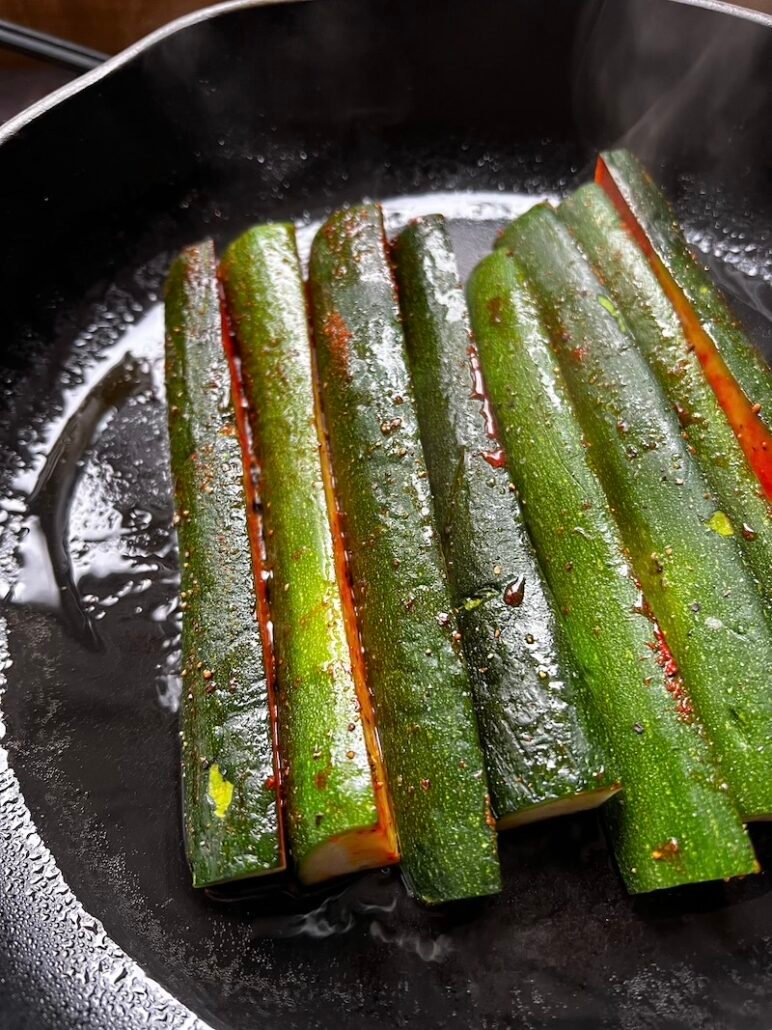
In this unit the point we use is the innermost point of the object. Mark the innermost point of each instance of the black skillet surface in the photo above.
(275, 112)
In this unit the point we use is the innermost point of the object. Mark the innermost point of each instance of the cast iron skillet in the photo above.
(282, 111)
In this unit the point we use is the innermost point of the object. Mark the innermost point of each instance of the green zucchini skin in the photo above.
(671, 824)
(329, 786)
(657, 220)
(538, 754)
(629, 279)
(683, 548)
(231, 814)
(420, 685)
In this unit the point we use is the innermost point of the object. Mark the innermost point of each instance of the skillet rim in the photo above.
(116, 61)
(134, 50)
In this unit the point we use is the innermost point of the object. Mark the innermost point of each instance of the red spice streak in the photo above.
(496, 457)
(674, 684)
(257, 545)
(479, 392)
(754, 437)
(339, 335)
(664, 655)
(385, 826)
(605, 180)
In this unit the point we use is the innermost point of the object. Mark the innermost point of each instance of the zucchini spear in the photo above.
(734, 368)
(683, 547)
(339, 818)
(231, 813)
(672, 824)
(625, 272)
(539, 758)
(422, 693)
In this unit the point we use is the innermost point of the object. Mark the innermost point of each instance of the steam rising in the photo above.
(654, 77)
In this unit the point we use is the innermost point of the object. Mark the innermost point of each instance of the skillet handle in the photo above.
(49, 48)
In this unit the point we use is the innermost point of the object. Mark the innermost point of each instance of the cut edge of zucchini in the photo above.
(584, 802)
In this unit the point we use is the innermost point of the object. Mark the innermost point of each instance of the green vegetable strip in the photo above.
(627, 275)
(672, 824)
(736, 371)
(422, 693)
(657, 220)
(232, 822)
(539, 758)
(683, 547)
(331, 796)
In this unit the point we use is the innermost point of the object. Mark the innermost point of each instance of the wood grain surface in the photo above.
(107, 25)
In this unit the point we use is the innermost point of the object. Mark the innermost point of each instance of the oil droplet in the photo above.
(686, 418)
(479, 393)
(515, 592)
(496, 459)
(667, 851)
(390, 426)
